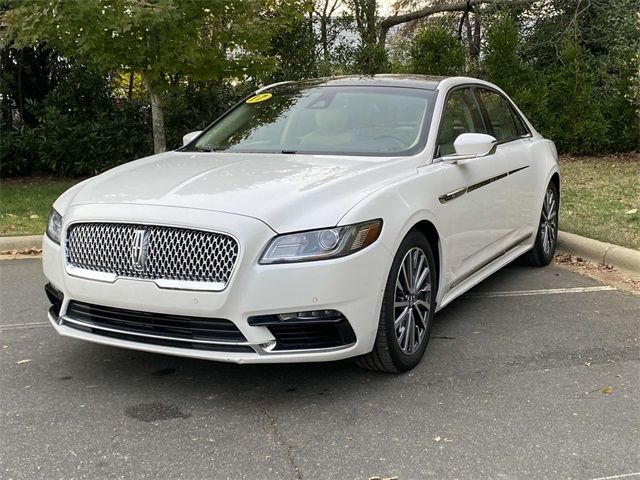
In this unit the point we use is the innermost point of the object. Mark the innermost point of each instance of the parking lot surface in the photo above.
(535, 373)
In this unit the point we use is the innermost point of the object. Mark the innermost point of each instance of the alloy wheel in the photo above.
(549, 221)
(412, 301)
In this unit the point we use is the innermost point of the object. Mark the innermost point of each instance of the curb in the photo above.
(20, 243)
(599, 252)
(594, 250)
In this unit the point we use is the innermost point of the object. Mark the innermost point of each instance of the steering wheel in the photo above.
(399, 140)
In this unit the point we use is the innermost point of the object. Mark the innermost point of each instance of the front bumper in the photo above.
(351, 285)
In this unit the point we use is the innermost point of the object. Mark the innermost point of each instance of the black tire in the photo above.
(387, 354)
(542, 253)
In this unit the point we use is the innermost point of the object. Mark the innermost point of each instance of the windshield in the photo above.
(360, 120)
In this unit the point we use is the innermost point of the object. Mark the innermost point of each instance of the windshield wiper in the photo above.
(211, 149)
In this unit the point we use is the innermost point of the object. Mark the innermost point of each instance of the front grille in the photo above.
(152, 252)
(156, 328)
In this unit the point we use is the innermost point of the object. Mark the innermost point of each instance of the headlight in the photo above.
(321, 244)
(54, 226)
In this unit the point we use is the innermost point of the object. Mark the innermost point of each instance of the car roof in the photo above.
(425, 82)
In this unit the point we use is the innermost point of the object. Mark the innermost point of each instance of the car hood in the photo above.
(287, 192)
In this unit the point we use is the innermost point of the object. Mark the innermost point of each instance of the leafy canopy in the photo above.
(212, 39)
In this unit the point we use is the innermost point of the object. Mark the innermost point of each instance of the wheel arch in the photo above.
(430, 231)
(555, 179)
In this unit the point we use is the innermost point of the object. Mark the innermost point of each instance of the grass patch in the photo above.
(598, 198)
(25, 204)
(597, 194)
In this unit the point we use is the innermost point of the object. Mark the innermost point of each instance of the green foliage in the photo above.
(81, 130)
(370, 59)
(435, 51)
(65, 66)
(572, 74)
(155, 38)
(159, 39)
(294, 49)
(577, 124)
(504, 66)
(370, 56)
(18, 147)
(193, 106)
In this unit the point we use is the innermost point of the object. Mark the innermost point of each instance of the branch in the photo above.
(459, 6)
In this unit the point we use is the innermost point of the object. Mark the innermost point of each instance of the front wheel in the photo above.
(545, 247)
(407, 309)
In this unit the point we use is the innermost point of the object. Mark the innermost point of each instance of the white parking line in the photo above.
(624, 475)
(19, 326)
(548, 291)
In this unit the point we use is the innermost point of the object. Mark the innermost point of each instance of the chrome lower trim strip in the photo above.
(258, 348)
(263, 351)
(67, 319)
(160, 282)
(472, 272)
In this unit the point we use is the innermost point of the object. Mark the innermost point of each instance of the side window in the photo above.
(506, 126)
(461, 115)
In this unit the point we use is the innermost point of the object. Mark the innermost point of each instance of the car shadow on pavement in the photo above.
(462, 331)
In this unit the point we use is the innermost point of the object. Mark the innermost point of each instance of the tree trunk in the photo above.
(157, 117)
(130, 91)
(476, 37)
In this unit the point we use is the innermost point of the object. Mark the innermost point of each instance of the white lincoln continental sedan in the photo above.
(314, 221)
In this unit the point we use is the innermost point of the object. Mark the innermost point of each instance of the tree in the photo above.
(156, 38)
(324, 13)
(440, 7)
(503, 65)
(434, 51)
(371, 56)
(578, 125)
(294, 50)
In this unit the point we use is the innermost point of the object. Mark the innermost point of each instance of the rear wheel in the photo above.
(407, 309)
(545, 247)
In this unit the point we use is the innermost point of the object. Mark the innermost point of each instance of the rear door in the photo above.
(514, 141)
(473, 194)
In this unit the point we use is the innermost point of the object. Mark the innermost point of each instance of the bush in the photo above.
(18, 147)
(69, 146)
(82, 129)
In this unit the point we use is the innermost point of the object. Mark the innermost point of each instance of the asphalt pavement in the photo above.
(535, 373)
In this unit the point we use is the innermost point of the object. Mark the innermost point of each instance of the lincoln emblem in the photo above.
(139, 249)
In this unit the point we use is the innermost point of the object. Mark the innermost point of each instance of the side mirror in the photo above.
(472, 145)
(190, 136)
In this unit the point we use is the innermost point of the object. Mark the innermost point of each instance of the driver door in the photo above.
(473, 196)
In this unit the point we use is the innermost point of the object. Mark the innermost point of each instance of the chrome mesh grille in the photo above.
(171, 253)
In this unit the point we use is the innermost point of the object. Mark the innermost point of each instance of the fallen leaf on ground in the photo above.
(26, 360)
(34, 216)
(606, 390)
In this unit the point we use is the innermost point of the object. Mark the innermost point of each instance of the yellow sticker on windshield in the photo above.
(259, 98)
